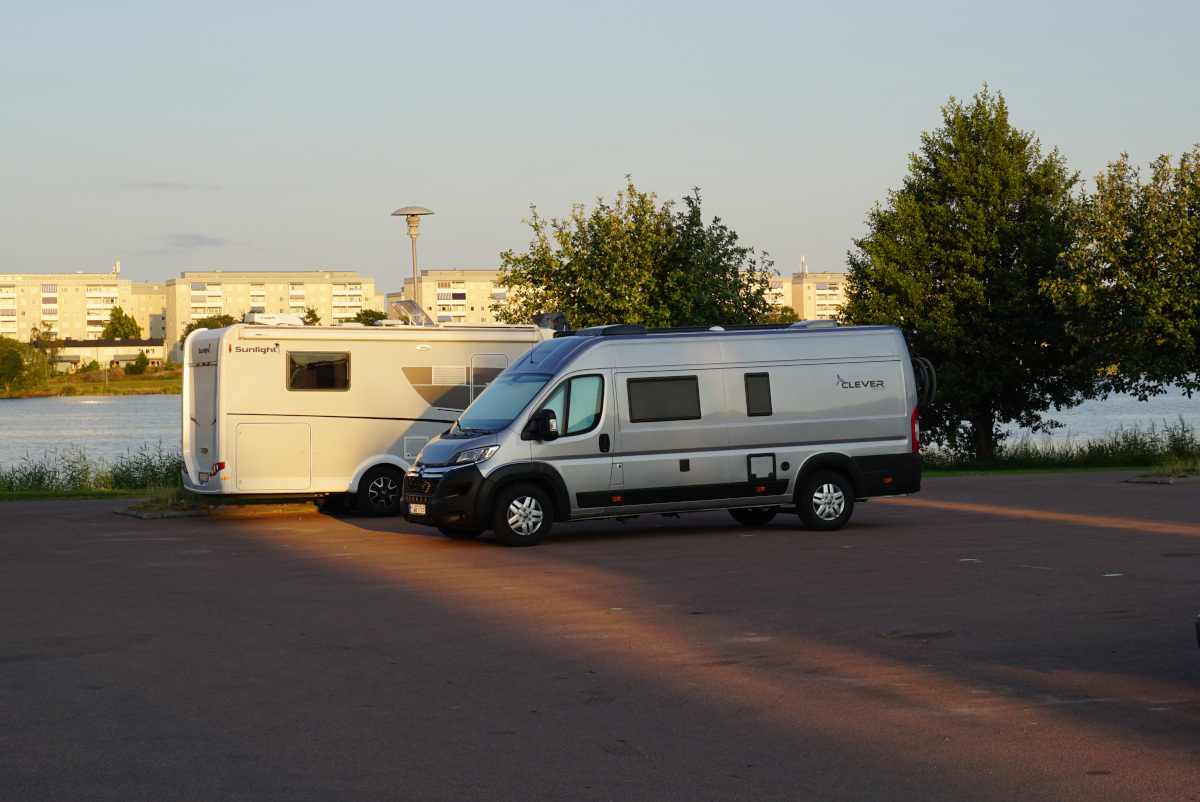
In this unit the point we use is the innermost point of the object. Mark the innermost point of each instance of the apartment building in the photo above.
(453, 296)
(76, 305)
(337, 295)
(149, 302)
(818, 296)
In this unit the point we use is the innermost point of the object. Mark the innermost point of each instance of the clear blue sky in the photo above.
(271, 135)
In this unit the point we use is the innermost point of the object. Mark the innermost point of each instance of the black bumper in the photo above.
(452, 495)
(889, 474)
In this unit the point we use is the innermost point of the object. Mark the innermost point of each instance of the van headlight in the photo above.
(472, 455)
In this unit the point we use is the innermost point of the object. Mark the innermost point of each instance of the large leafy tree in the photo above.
(959, 251)
(121, 326)
(1131, 281)
(633, 261)
(22, 365)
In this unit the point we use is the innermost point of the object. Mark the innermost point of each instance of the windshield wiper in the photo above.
(462, 430)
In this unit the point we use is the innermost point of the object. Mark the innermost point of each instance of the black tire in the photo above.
(825, 501)
(380, 491)
(754, 516)
(460, 534)
(522, 515)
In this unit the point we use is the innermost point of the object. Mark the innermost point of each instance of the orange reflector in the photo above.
(887, 480)
(760, 490)
(616, 499)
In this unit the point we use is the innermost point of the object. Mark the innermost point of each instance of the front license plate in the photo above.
(416, 509)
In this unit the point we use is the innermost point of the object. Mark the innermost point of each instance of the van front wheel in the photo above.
(522, 515)
(826, 501)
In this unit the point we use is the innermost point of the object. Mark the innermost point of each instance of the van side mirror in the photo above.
(542, 426)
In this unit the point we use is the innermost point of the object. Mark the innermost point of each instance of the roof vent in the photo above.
(273, 319)
(814, 324)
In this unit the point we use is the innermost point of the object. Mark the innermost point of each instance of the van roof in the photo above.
(636, 330)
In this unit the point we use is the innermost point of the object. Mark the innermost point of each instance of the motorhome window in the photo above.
(758, 394)
(664, 399)
(502, 401)
(318, 371)
(577, 404)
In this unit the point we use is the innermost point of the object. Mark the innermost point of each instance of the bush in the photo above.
(70, 469)
(139, 365)
(1124, 448)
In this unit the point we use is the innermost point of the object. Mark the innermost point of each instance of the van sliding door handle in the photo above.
(604, 444)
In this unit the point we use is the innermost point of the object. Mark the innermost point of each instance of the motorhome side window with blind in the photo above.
(318, 371)
(664, 399)
(758, 394)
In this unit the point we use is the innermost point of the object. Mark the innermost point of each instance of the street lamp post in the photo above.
(412, 214)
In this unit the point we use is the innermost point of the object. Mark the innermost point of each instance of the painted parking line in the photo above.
(1100, 521)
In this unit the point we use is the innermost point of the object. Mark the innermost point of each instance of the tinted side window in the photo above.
(577, 404)
(587, 399)
(663, 399)
(758, 394)
(318, 371)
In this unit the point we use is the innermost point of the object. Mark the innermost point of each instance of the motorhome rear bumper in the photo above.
(889, 474)
(451, 497)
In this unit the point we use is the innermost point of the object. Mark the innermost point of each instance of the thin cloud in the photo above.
(193, 242)
(175, 244)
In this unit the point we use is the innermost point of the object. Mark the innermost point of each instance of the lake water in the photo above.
(113, 425)
(103, 426)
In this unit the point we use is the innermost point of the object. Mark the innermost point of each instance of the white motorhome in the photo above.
(285, 410)
(618, 421)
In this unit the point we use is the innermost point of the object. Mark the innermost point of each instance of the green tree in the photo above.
(212, 322)
(1131, 281)
(12, 361)
(121, 326)
(22, 365)
(782, 314)
(367, 317)
(634, 262)
(311, 316)
(960, 250)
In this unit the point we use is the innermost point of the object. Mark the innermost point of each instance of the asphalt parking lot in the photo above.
(991, 638)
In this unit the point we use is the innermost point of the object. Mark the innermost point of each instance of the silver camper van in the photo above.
(618, 421)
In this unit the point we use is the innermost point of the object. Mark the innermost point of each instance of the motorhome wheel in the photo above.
(826, 502)
(522, 515)
(379, 491)
(754, 516)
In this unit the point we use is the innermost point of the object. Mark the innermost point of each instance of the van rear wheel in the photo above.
(754, 516)
(379, 491)
(826, 501)
(522, 515)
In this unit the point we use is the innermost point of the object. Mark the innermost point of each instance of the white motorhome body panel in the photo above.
(272, 457)
(289, 409)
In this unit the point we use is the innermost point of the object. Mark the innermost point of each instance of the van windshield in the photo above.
(501, 402)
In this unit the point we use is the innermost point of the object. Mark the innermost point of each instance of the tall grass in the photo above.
(1173, 443)
(70, 469)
